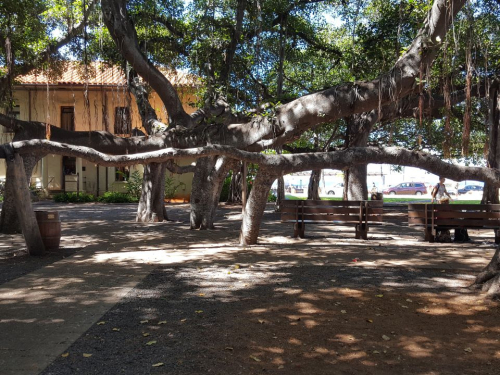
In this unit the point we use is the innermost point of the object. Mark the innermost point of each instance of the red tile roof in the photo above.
(98, 74)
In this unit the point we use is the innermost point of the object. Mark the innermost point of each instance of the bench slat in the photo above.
(319, 217)
(455, 214)
(454, 207)
(326, 210)
(467, 223)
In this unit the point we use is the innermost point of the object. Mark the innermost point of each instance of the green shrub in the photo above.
(171, 186)
(134, 185)
(224, 195)
(74, 198)
(115, 197)
(271, 197)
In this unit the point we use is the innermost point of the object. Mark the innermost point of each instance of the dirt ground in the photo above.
(326, 304)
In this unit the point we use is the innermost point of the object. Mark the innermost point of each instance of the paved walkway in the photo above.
(45, 311)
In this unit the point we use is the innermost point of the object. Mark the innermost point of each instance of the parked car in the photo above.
(338, 187)
(407, 188)
(470, 189)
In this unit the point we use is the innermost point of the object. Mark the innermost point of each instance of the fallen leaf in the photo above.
(159, 364)
(228, 348)
(116, 329)
(343, 311)
(404, 307)
(379, 295)
(369, 320)
(376, 352)
(468, 350)
(183, 320)
(228, 272)
(255, 358)
(198, 311)
(281, 367)
(162, 322)
(144, 321)
(101, 323)
(145, 334)
(408, 300)
(386, 338)
(261, 321)
(65, 355)
(236, 266)
(149, 343)
(87, 355)
(201, 294)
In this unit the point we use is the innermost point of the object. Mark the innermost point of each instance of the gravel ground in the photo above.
(219, 318)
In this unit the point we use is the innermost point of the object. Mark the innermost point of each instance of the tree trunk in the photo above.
(489, 279)
(256, 205)
(313, 188)
(25, 213)
(490, 193)
(358, 130)
(151, 206)
(280, 194)
(235, 186)
(9, 221)
(207, 185)
(355, 183)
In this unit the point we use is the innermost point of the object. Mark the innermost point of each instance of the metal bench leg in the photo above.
(298, 230)
(361, 232)
(428, 235)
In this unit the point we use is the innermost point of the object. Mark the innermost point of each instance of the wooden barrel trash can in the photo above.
(377, 197)
(50, 228)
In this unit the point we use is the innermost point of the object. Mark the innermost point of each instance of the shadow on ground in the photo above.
(320, 305)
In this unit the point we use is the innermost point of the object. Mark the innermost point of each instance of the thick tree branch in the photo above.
(123, 33)
(279, 164)
(178, 169)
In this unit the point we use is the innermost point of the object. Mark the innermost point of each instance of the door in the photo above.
(69, 177)
(68, 118)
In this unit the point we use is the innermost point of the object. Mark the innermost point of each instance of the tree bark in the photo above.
(490, 193)
(359, 127)
(488, 279)
(256, 205)
(280, 194)
(281, 164)
(355, 183)
(313, 187)
(235, 186)
(151, 206)
(25, 213)
(9, 220)
(207, 185)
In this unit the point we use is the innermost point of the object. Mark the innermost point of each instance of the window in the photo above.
(122, 174)
(68, 118)
(123, 122)
(15, 112)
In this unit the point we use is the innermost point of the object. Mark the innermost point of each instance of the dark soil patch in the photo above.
(17, 264)
(264, 319)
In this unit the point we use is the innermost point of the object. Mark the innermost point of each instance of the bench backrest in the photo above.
(354, 212)
(460, 215)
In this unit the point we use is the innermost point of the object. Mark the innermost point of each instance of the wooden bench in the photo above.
(449, 216)
(361, 214)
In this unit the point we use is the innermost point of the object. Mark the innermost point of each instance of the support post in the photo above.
(244, 188)
(27, 219)
(98, 182)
